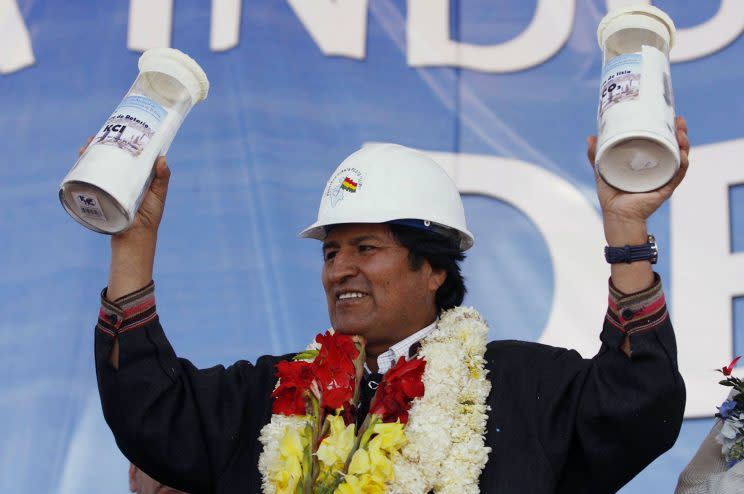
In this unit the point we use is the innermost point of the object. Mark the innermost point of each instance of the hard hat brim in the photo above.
(318, 231)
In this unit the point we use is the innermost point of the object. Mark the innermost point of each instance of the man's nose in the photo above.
(343, 267)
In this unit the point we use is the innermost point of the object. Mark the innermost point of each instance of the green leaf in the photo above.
(306, 355)
(726, 383)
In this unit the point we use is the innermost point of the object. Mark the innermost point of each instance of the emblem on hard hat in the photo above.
(346, 181)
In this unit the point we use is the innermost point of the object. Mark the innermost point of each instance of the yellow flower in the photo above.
(291, 449)
(365, 484)
(286, 480)
(379, 463)
(335, 448)
(389, 437)
(359, 462)
(375, 460)
(291, 444)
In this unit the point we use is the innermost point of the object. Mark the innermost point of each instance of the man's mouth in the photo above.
(350, 296)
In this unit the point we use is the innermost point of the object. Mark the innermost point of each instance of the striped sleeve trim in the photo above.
(127, 313)
(638, 312)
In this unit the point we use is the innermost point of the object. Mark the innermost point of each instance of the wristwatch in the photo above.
(633, 253)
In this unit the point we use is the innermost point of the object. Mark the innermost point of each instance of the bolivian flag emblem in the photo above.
(349, 185)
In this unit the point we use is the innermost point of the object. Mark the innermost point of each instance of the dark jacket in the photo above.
(558, 423)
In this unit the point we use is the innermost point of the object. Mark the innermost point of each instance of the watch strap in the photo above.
(633, 253)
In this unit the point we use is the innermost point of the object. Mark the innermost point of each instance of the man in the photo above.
(556, 422)
(141, 483)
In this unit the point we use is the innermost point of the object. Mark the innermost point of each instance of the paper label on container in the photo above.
(621, 81)
(88, 206)
(132, 124)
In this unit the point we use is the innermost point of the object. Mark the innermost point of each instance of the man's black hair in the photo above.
(442, 253)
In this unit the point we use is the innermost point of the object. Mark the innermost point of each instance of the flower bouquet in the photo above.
(320, 449)
(410, 442)
(731, 413)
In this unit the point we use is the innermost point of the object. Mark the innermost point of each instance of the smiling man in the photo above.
(372, 289)
(394, 233)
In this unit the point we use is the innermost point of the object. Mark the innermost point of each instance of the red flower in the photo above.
(295, 379)
(337, 346)
(334, 369)
(397, 390)
(730, 367)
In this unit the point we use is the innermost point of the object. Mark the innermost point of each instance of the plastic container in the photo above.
(105, 187)
(637, 147)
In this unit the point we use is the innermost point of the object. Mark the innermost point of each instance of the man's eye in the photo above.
(327, 256)
(366, 248)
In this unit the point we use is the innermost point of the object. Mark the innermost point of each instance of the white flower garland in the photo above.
(446, 428)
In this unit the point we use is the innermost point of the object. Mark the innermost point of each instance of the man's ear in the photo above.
(132, 478)
(437, 278)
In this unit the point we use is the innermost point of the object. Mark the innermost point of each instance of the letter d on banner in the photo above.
(705, 273)
(429, 42)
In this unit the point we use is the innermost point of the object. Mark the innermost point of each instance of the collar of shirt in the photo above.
(401, 349)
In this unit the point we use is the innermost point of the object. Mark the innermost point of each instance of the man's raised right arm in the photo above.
(180, 423)
(133, 251)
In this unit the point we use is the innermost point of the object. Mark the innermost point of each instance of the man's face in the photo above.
(370, 288)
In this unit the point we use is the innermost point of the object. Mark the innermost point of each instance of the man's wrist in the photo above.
(620, 233)
(132, 259)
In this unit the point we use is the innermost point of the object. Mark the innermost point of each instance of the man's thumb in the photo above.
(159, 184)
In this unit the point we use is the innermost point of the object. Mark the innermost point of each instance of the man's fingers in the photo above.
(681, 132)
(161, 168)
(85, 146)
(683, 141)
(680, 174)
(159, 184)
(684, 144)
(684, 150)
(591, 149)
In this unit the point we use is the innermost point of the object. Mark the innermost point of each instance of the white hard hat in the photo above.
(384, 183)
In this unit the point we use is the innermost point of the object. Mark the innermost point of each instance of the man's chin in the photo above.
(349, 327)
(348, 330)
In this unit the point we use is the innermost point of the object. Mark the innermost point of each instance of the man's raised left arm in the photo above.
(625, 216)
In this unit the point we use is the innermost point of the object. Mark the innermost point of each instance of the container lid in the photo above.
(642, 16)
(178, 65)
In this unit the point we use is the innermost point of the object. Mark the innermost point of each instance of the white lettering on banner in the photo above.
(15, 43)
(338, 27)
(572, 232)
(429, 42)
(149, 24)
(706, 275)
(224, 27)
(704, 39)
